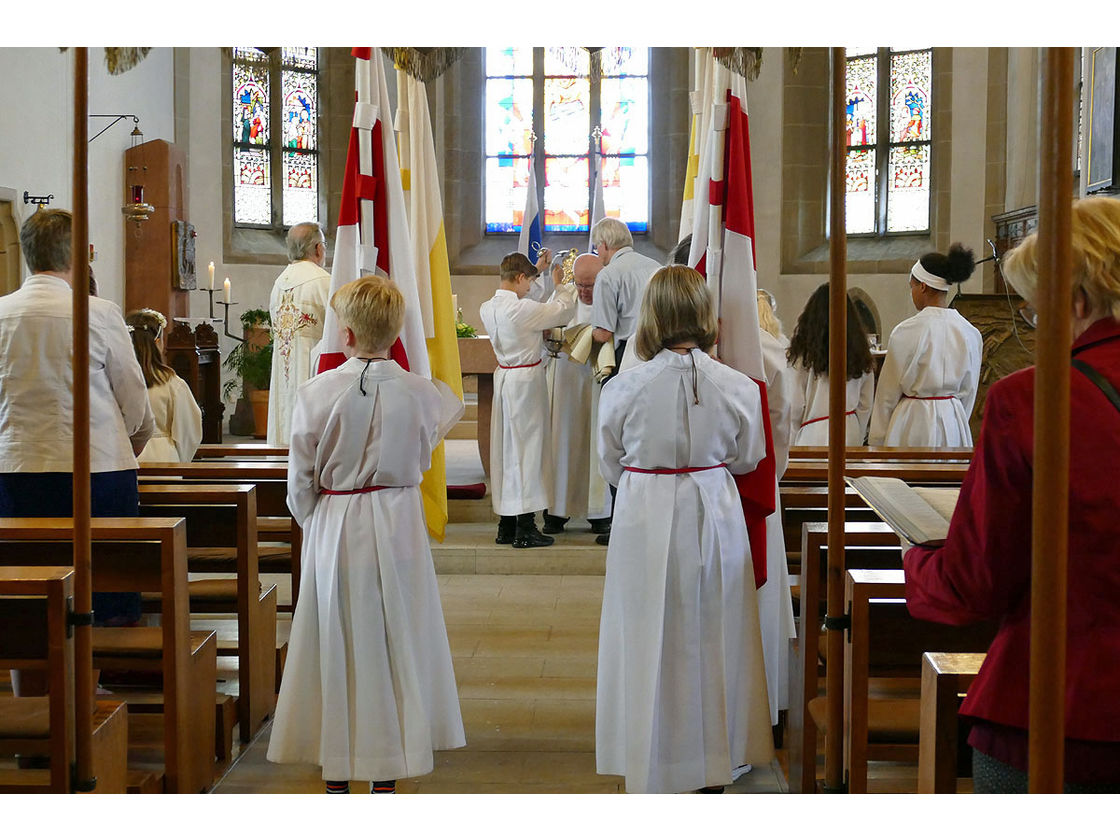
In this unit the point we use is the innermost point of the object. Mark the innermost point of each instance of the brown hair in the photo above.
(373, 308)
(45, 241)
(146, 325)
(677, 307)
(808, 346)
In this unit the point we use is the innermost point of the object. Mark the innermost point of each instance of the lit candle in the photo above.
(211, 275)
(226, 285)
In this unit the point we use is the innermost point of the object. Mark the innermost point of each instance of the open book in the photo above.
(918, 514)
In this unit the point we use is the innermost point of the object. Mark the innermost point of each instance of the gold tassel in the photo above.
(746, 61)
(424, 63)
(122, 59)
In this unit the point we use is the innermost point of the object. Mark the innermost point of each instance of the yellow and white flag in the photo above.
(420, 180)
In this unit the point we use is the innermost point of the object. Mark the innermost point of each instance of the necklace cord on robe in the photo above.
(368, 361)
(695, 380)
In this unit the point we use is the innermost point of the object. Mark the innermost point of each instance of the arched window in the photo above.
(552, 93)
(889, 94)
(275, 136)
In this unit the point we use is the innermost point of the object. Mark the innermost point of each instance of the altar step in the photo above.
(469, 549)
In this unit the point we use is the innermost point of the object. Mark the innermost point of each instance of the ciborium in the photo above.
(554, 338)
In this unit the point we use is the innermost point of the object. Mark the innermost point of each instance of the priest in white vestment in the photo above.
(297, 306)
(579, 490)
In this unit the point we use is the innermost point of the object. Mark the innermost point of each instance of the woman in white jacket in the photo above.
(927, 386)
(178, 417)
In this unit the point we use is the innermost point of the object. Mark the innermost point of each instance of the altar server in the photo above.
(681, 691)
(578, 486)
(368, 690)
(520, 453)
(808, 356)
(927, 386)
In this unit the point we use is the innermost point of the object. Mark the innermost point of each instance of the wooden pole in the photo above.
(837, 431)
(1050, 530)
(79, 278)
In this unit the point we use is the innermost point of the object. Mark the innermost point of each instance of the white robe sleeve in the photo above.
(612, 414)
(784, 414)
(866, 399)
(750, 440)
(451, 408)
(887, 393)
(186, 420)
(302, 490)
(972, 382)
(557, 312)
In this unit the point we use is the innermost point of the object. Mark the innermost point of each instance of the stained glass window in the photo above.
(275, 136)
(557, 80)
(889, 96)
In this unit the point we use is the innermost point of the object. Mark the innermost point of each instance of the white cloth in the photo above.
(578, 486)
(520, 449)
(775, 602)
(541, 288)
(681, 693)
(934, 353)
(37, 382)
(368, 690)
(858, 397)
(619, 288)
(178, 423)
(297, 306)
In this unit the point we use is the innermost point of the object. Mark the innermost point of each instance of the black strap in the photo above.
(1095, 377)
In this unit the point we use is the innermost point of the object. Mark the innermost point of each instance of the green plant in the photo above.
(251, 362)
(463, 329)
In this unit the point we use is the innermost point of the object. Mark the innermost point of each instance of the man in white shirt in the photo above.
(620, 285)
(37, 400)
(297, 307)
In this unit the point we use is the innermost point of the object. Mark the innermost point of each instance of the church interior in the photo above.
(201, 159)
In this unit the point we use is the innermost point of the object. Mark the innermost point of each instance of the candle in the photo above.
(211, 274)
(226, 285)
(455, 305)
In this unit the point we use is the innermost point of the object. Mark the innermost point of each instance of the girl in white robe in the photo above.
(681, 695)
(808, 356)
(368, 689)
(177, 416)
(927, 386)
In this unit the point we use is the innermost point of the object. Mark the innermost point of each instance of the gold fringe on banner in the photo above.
(793, 55)
(425, 64)
(121, 59)
(746, 61)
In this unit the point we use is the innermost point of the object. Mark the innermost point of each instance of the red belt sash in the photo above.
(515, 367)
(674, 471)
(946, 397)
(324, 491)
(819, 419)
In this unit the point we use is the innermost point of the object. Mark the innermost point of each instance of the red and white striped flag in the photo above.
(723, 250)
(372, 235)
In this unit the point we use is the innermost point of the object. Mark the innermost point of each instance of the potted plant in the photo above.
(251, 362)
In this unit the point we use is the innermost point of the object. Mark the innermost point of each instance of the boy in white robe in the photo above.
(520, 456)
(368, 690)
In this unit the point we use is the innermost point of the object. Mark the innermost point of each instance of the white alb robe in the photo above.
(858, 397)
(297, 307)
(178, 423)
(578, 486)
(935, 353)
(681, 695)
(775, 602)
(368, 690)
(520, 448)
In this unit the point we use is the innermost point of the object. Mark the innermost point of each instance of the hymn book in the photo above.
(919, 515)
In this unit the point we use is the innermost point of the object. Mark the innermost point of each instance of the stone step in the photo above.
(462, 511)
(464, 430)
(469, 549)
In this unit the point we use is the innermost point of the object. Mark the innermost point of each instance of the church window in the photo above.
(552, 93)
(275, 136)
(888, 101)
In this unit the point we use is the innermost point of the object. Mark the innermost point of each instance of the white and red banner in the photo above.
(723, 250)
(372, 235)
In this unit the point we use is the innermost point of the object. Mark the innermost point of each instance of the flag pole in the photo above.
(837, 380)
(79, 280)
(1050, 524)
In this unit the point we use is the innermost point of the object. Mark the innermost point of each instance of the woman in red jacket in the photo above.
(983, 570)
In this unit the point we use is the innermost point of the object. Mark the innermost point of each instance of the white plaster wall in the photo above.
(969, 159)
(36, 107)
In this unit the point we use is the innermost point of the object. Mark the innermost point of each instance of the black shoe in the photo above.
(531, 538)
(554, 524)
(604, 539)
(600, 526)
(711, 789)
(507, 530)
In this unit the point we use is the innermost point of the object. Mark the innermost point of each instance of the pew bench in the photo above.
(886, 453)
(815, 471)
(129, 554)
(946, 678)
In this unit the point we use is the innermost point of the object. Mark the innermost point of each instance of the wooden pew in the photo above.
(946, 678)
(815, 471)
(885, 640)
(131, 553)
(35, 633)
(885, 453)
(804, 503)
(224, 516)
(274, 520)
(865, 543)
(239, 451)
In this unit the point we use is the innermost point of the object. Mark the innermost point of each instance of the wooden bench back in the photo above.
(886, 453)
(931, 473)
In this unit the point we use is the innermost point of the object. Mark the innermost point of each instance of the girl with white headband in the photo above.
(927, 386)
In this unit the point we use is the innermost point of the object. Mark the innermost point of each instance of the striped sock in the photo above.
(383, 787)
(338, 787)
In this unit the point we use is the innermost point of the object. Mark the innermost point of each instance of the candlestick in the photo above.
(211, 274)
(227, 290)
(455, 305)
